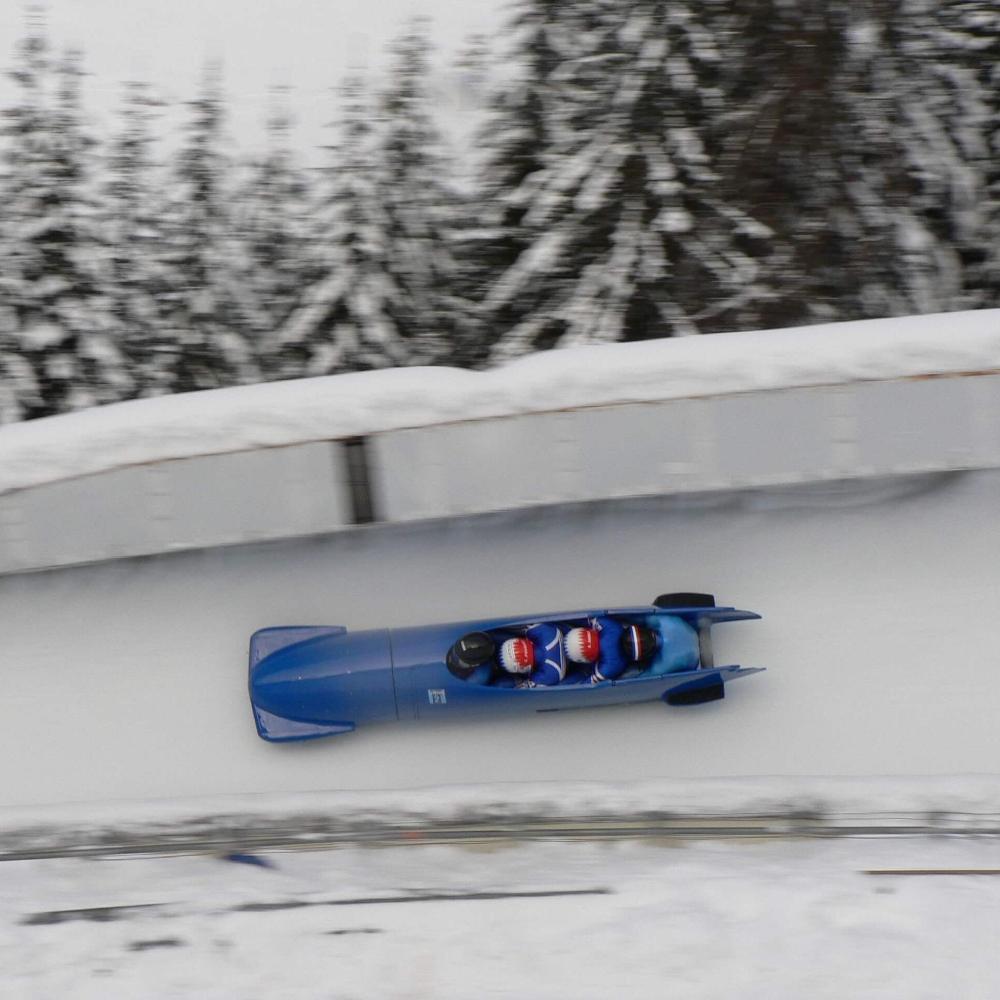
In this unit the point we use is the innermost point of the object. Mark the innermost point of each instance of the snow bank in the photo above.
(960, 804)
(530, 921)
(287, 413)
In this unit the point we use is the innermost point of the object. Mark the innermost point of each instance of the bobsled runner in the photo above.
(312, 681)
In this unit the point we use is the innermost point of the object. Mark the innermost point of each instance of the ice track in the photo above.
(881, 606)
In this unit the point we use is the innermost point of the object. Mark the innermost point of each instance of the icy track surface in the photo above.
(128, 681)
(791, 919)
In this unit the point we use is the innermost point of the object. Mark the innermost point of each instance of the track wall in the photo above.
(857, 430)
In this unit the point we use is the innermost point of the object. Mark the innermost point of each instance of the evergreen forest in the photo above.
(642, 169)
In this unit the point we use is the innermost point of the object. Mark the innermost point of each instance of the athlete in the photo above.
(610, 647)
(472, 658)
(537, 658)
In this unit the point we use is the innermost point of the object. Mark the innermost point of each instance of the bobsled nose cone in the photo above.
(292, 698)
(340, 677)
(284, 682)
(276, 670)
(275, 692)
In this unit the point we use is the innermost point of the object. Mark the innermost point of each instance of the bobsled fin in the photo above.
(709, 616)
(277, 729)
(266, 641)
(718, 615)
(696, 686)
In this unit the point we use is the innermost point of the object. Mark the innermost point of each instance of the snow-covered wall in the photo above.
(711, 413)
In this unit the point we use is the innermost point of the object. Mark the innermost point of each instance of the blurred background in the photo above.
(473, 186)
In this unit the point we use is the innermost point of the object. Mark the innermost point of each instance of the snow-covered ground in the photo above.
(789, 919)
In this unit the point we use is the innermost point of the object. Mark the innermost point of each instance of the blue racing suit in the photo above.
(550, 658)
(611, 661)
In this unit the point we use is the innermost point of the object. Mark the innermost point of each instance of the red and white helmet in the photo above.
(517, 656)
(582, 645)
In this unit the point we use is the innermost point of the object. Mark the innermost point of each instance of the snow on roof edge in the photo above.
(338, 406)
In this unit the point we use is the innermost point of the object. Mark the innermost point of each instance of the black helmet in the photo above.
(471, 651)
(638, 643)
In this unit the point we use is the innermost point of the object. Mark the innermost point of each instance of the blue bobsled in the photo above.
(312, 681)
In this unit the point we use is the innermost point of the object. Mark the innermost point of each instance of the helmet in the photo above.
(471, 651)
(517, 656)
(638, 642)
(582, 645)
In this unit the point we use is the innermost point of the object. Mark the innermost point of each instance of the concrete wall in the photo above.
(856, 430)
(863, 429)
(190, 503)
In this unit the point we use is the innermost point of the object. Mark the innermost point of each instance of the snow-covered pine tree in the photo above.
(54, 308)
(475, 236)
(852, 131)
(348, 318)
(635, 239)
(386, 295)
(275, 209)
(133, 226)
(785, 125)
(421, 207)
(894, 218)
(18, 386)
(22, 127)
(922, 122)
(964, 46)
(205, 307)
(512, 144)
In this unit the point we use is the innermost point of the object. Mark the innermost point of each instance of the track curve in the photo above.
(880, 634)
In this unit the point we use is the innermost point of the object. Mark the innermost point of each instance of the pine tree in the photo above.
(780, 138)
(349, 317)
(18, 385)
(634, 236)
(964, 50)
(133, 224)
(921, 120)
(275, 223)
(55, 312)
(386, 296)
(855, 133)
(205, 308)
(893, 219)
(22, 128)
(422, 209)
(513, 142)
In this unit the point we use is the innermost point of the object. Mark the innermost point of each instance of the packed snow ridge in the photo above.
(340, 406)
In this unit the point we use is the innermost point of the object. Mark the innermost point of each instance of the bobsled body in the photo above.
(307, 682)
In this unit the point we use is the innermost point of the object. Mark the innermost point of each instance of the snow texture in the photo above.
(539, 920)
(338, 406)
(956, 804)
